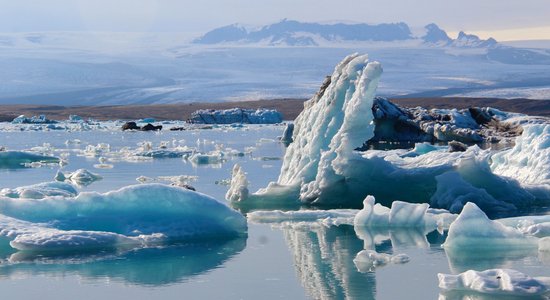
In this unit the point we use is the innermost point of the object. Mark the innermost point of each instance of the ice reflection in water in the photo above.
(147, 267)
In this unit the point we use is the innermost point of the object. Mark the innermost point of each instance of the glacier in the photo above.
(323, 168)
(133, 216)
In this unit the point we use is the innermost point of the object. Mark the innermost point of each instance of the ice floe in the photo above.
(20, 159)
(55, 218)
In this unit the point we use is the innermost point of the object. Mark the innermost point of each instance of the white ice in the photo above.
(80, 177)
(529, 160)
(368, 260)
(496, 282)
(401, 215)
(472, 232)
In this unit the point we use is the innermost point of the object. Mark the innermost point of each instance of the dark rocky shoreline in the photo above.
(289, 108)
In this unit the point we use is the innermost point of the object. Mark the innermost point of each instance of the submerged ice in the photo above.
(135, 215)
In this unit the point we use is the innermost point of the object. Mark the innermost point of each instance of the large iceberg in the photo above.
(135, 215)
(322, 166)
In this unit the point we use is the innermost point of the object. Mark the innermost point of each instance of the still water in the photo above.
(275, 261)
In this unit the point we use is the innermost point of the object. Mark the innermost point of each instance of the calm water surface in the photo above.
(277, 261)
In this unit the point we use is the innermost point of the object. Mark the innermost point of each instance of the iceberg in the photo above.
(323, 168)
(22, 119)
(236, 115)
(529, 160)
(401, 215)
(473, 232)
(502, 282)
(135, 215)
(18, 159)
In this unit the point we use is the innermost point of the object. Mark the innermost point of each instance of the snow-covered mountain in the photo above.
(285, 59)
(294, 33)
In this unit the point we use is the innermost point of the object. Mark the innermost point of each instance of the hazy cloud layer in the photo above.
(198, 16)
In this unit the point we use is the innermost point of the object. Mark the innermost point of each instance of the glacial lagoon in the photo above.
(274, 261)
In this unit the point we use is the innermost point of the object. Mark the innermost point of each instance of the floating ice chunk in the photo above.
(144, 179)
(236, 115)
(204, 159)
(288, 133)
(177, 213)
(368, 260)
(164, 153)
(372, 215)
(75, 119)
(60, 240)
(529, 160)
(17, 159)
(401, 214)
(80, 177)
(238, 189)
(40, 191)
(495, 281)
(473, 232)
(340, 216)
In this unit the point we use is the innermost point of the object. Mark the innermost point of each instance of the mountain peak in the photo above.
(436, 35)
(473, 41)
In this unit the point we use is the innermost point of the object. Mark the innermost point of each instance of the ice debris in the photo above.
(502, 282)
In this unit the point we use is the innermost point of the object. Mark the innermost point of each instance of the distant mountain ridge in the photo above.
(295, 33)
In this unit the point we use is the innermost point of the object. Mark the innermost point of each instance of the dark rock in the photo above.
(480, 116)
(455, 146)
(395, 124)
(130, 126)
(151, 127)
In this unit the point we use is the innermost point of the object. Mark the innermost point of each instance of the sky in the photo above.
(502, 19)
